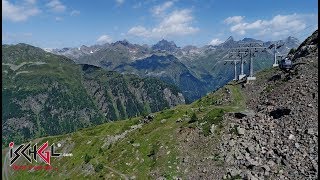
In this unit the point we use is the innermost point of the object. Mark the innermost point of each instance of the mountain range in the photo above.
(107, 82)
(262, 129)
(195, 70)
(46, 94)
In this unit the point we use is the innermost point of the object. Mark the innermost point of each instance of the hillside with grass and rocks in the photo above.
(280, 139)
(46, 94)
(262, 129)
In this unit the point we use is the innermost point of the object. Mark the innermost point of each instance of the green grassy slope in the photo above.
(128, 149)
(45, 94)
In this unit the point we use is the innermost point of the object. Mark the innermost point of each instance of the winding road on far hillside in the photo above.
(117, 172)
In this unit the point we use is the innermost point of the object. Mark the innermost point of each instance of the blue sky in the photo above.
(72, 23)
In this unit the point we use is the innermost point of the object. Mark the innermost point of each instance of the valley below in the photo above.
(138, 127)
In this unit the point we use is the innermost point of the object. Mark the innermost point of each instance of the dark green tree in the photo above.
(98, 167)
(87, 158)
(292, 51)
(194, 118)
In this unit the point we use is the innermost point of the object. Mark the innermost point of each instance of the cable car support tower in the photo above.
(243, 51)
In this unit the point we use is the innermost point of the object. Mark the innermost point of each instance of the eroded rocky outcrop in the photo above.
(281, 140)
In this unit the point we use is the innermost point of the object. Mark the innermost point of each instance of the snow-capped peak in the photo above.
(48, 49)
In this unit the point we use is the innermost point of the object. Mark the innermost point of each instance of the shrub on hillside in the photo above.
(194, 118)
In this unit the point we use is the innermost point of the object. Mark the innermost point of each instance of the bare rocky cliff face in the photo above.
(123, 97)
(173, 99)
(280, 139)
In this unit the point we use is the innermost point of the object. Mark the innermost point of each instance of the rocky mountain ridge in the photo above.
(46, 94)
(166, 47)
(263, 129)
(204, 65)
(280, 139)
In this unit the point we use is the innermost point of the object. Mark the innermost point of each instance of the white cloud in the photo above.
(56, 6)
(75, 13)
(16, 13)
(104, 39)
(137, 5)
(139, 31)
(30, 1)
(58, 18)
(215, 42)
(177, 23)
(119, 2)
(160, 9)
(280, 25)
(234, 19)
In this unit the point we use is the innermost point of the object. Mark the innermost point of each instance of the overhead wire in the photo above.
(304, 29)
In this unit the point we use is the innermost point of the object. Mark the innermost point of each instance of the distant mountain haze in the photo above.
(195, 70)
